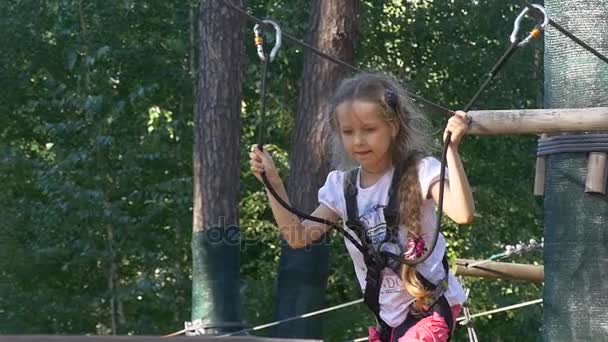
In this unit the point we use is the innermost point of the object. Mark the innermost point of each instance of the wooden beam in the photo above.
(536, 121)
(501, 270)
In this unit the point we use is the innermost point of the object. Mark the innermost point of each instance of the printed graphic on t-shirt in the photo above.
(391, 283)
(373, 223)
(375, 227)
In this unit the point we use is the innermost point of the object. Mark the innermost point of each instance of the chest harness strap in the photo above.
(376, 259)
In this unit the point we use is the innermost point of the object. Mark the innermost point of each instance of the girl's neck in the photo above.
(369, 176)
(378, 169)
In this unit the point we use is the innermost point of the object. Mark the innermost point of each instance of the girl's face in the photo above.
(366, 134)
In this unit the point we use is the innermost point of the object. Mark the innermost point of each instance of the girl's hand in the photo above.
(261, 162)
(458, 124)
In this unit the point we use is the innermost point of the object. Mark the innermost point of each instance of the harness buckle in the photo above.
(536, 31)
(259, 40)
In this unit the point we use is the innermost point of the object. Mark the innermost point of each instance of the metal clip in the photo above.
(259, 40)
(538, 29)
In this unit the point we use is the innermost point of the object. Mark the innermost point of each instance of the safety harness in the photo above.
(378, 259)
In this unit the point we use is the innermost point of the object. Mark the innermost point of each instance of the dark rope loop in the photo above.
(499, 64)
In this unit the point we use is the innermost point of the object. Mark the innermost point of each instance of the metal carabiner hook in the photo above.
(536, 32)
(259, 40)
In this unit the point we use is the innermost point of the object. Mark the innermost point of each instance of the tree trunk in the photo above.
(576, 243)
(215, 242)
(302, 277)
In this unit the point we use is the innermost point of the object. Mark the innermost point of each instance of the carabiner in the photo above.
(259, 40)
(536, 32)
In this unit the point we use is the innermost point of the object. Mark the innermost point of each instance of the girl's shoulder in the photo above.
(336, 175)
(335, 181)
(332, 192)
(427, 161)
(429, 171)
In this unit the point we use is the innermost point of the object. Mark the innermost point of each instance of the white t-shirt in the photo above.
(394, 300)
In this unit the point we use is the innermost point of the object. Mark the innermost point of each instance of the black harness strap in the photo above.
(376, 261)
(373, 260)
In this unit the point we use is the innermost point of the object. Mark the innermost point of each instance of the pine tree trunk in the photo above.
(303, 273)
(576, 243)
(215, 243)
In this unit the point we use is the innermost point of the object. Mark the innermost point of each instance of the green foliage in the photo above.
(98, 187)
(96, 146)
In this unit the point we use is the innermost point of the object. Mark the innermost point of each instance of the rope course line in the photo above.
(336, 60)
(516, 42)
(340, 306)
(199, 325)
(427, 102)
(570, 35)
(306, 315)
(468, 321)
(510, 251)
(290, 37)
(320, 53)
(506, 308)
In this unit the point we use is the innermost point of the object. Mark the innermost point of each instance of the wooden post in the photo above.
(597, 173)
(539, 175)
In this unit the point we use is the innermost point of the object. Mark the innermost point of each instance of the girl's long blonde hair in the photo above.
(412, 141)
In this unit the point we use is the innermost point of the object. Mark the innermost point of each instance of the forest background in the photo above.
(96, 150)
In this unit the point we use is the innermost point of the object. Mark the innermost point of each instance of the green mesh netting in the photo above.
(300, 289)
(575, 253)
(215, 279)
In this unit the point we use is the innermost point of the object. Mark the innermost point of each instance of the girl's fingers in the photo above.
(467, 119)
(257, 168)
(253, 156)
(256, 163)
(255, 151)
(457, 123)
(461, 114)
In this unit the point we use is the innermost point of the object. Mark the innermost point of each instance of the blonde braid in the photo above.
(411, 202)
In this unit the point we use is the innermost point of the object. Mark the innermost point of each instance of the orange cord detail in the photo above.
(536, 32)
(259, 41)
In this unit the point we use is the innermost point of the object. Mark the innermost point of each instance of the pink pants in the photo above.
(429, 329)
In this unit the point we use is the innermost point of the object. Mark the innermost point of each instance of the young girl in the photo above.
(376, 129)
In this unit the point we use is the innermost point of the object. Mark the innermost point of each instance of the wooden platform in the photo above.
(72, 338)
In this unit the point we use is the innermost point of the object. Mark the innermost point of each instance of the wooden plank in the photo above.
(72, 338)
(536, 121)
(502, 270)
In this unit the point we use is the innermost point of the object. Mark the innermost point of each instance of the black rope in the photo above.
(259, 129)
(307, 216)
(422, 100)
(297, 41)
(495, 69)
(493, 73)
(569, 34)
(499, 64)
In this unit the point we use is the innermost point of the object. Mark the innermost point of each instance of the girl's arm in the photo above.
(458, 201)
(297, 234)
